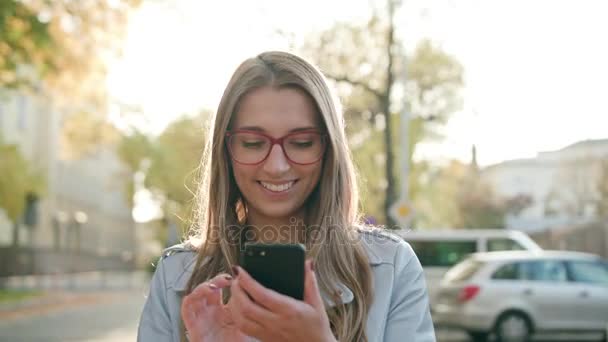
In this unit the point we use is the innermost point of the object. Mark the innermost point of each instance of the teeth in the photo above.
(277, 188)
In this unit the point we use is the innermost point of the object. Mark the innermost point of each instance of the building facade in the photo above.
(83, 220)
(562, 185)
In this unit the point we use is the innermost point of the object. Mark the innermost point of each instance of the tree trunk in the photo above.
(15, 233)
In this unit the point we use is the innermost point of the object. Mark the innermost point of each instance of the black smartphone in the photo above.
(279, 267)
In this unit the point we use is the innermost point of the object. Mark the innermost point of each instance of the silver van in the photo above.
(440, 249)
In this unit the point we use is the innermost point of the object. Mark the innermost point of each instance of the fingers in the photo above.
(211, 289)
(207, 293)
(312, 294)
(249, 317)
(271, 300)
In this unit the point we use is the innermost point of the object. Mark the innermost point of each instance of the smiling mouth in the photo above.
(277, 187)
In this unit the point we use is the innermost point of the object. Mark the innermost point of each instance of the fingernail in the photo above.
(228, 277)
(235, 271)
(213, 286)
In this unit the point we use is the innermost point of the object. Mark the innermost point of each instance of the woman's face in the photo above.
(276, 188)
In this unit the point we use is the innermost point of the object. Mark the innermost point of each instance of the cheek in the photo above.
(313, 172)
(242, 174)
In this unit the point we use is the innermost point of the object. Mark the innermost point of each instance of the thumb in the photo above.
(312, 294)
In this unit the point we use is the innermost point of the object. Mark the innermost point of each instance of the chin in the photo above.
(278, 213)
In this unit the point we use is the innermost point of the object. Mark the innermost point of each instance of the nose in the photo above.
(276, 164)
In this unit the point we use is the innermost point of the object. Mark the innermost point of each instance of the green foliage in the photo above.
(175, 160)
(24, 40)
(60, 44)
(456, 196)
(356, 57)
(84, 132)
(7, 296)
(169, 163)
(133, 149)
(17, 181)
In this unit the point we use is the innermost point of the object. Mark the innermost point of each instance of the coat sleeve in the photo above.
(409, 317)
(155, 324)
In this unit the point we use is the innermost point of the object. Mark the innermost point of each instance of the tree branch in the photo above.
(355, 83)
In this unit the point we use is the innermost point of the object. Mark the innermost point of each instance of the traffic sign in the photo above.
(402, 212)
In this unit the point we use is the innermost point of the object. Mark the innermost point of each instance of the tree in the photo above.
(482, 208)
(83, 133)
(169, 163)
(135, 150)
(602, 187)
(62, 45)
(366, 61)
(458, 197)
(578, 191)
(18, 181)
(174, 164)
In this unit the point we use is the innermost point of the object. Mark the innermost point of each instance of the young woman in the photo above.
(278, 169)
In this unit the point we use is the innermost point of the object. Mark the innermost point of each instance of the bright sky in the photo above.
(536, 71)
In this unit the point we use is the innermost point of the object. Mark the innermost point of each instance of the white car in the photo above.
(515, 295)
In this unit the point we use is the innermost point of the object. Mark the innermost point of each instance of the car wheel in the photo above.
(477, 336)
(513, 327)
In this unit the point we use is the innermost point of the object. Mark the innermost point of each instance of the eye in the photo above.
(300, 143)
(303, 141)
(252, 143)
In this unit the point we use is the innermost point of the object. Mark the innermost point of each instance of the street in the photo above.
(112, 319)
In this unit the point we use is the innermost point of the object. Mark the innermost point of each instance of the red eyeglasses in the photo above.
(252, 147)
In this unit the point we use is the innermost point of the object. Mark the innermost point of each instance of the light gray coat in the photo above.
(399, 312)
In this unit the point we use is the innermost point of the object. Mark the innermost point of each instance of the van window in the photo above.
(442, 253)
(503, 244)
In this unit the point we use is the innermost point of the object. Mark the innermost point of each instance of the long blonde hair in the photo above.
(332, 215)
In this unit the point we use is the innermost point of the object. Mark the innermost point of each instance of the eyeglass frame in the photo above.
(275, 141)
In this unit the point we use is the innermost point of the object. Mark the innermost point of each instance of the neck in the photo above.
(275, 230)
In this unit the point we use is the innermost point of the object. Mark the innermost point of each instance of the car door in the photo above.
(508, 290)
(589, 279)
(544, 284)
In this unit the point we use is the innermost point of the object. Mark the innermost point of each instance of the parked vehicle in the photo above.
(440, 249)
(517, 294)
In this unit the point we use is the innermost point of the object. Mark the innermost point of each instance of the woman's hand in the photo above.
(205, 317)
(270, 316)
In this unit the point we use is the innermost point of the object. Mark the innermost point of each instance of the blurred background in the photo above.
(461, 115)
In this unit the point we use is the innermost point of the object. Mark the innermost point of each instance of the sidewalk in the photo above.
(62, 291)
(84, 281)
(107, 316)
(54, 301)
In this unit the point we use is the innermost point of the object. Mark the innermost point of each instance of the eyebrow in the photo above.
(260, 129)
